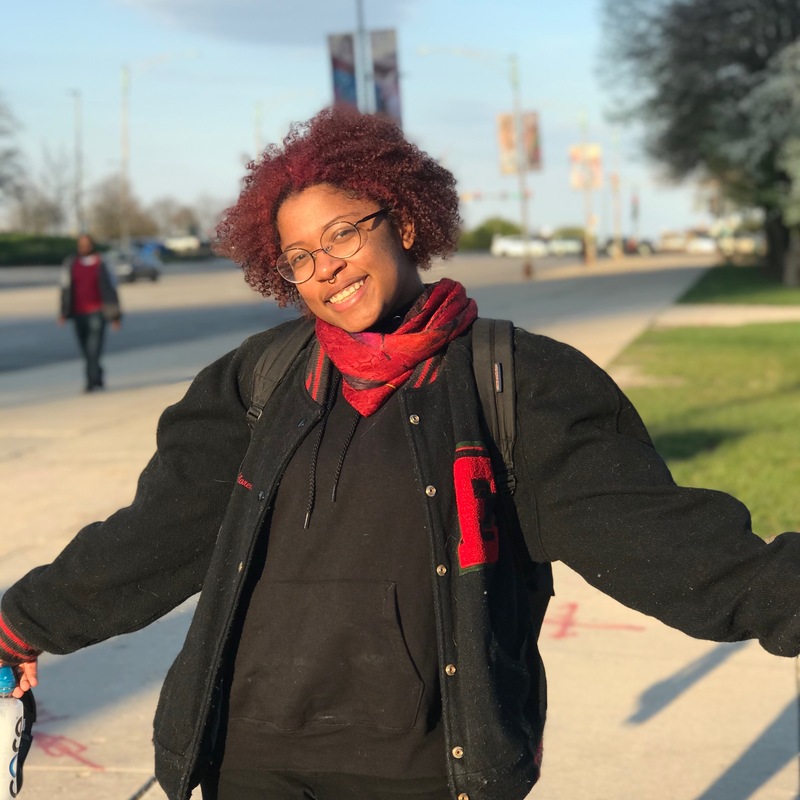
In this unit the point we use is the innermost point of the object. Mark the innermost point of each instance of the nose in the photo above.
(327, 266)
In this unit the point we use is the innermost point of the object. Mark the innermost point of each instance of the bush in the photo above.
(22, 249)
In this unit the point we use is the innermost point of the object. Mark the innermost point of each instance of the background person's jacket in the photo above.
(109, 297)
(591, 492)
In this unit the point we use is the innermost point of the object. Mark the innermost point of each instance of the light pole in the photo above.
(80, 224)
(362, 92)
(527, 266)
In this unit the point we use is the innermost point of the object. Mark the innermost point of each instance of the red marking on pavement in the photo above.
(566, 623)
(57, 746)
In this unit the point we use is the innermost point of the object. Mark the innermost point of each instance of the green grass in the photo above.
(723, 408)
(740, 285)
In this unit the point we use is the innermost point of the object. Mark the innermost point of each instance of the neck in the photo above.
(391, 322)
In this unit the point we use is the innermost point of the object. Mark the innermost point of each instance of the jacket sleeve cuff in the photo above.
(13, 648)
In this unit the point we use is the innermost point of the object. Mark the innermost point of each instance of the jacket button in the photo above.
(414, 419)
(458, 752)
(463, 796)
(430, 491)
(261, 496)
(441, 570)
(450, 669)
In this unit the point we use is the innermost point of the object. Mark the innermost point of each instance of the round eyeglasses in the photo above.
(339, 240)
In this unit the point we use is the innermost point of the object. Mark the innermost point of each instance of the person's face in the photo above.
(85, 246)
(357, 292)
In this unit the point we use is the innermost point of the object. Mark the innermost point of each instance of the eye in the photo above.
(343, 234)
(297, 258)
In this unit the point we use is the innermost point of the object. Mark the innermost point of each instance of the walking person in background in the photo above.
(89, 298)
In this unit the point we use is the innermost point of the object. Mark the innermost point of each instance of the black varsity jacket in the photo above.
(591, 492)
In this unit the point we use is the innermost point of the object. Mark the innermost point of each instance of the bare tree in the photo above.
(104, 212)
(10, 161)
(40, 203)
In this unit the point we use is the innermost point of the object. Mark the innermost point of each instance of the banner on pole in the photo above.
(343, 69)
(386, 74)
(587, 166)
(531, 155)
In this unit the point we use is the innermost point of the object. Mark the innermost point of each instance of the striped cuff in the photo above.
(13, 648)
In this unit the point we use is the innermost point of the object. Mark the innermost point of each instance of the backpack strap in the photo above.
(274, 363)
(493, 364)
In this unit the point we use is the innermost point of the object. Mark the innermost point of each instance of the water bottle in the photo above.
(12, 724)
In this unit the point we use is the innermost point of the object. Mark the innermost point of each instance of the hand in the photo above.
(116, 324)
(26, 677)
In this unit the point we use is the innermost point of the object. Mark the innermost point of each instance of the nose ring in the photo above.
(332, 279)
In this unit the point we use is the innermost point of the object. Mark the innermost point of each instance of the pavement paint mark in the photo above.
(57, 746)
(566, 623)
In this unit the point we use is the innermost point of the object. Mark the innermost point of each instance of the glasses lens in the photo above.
(295, 266)
(341, 240)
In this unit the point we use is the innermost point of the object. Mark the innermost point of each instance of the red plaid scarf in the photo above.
(373, 365)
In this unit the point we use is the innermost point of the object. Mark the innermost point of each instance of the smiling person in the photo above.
(369, 597)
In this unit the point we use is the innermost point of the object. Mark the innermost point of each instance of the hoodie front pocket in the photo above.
(326, 653)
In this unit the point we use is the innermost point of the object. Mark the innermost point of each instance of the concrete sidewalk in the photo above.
(637, 710)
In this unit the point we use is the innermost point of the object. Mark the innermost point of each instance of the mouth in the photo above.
(346, 293)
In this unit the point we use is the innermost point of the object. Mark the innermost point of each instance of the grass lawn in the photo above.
(723, 408)
(733, 284)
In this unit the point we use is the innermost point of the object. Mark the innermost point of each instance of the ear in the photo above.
(407, 234)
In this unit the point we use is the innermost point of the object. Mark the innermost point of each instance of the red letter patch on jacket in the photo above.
(476, 494)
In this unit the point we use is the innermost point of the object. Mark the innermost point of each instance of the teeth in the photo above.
(345, 293)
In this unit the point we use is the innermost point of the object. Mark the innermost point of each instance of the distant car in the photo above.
(513, 246)
(565, 247)
(631, 246)
(136, 264)
(701, 244)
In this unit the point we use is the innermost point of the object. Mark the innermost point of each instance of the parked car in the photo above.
(742, 243)
(565, 247)
(136, 264)
(513, 246)
(701, 244)
(631, 246)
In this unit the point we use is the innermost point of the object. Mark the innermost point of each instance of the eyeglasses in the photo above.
(339, 240)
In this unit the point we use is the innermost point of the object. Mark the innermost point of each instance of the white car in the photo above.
(701, 245)
(514, 247)
(565, 247)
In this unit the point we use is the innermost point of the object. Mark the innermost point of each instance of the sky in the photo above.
(213, 80)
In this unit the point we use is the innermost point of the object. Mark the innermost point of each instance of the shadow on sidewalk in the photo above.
(661, 694)
(97, 678)
(771, 752)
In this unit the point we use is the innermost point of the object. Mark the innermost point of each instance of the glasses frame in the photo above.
(313, 253)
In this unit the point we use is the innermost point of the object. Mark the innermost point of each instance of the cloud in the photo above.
(301, 23)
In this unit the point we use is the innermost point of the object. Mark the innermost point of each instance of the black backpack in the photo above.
(492, 363)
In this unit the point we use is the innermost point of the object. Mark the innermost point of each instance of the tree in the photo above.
(696, 73)
(41, 204)
(110, 199)
(173, 217)
(480, 238)
(10, 164)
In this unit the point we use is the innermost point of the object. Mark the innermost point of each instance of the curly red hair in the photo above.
(364, 155)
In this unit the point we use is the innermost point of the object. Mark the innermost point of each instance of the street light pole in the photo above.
(80, 225)
(362, 93)
(124, 169)
(527, 265)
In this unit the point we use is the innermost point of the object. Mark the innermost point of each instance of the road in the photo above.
(158, 313)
